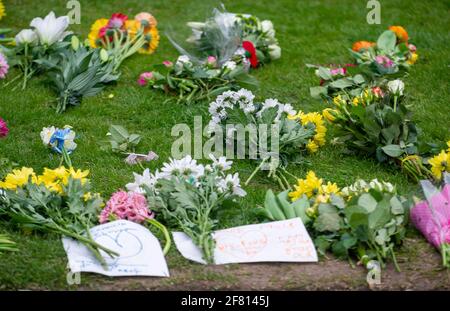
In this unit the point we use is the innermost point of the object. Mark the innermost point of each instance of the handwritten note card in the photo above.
(140, 251)
(278, 241)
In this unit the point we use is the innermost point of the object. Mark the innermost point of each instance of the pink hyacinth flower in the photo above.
(127, 205)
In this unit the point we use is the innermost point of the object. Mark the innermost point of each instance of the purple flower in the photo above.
(3, 128)
(384, 61)
(135, 158)
(4, 67)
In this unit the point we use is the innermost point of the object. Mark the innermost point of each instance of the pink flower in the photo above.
(144, 77)
(4, 67)
(3, 128)
(167, 63)
(412, 48)
(377, 91)
(211, 60)
(117, 20)
(126, 205)
(338, 71)
(384, 60)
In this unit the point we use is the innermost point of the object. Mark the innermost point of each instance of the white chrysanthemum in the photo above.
(221, 163)
(146, 179)
(245, 100)
(231, 183)
(186, 168)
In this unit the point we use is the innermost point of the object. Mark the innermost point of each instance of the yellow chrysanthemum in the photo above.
(2, 10)
(413, 59)
(152, 41)
(440, 164)
(330, 188)
(321, 130)
(93, 36)
(309, 186)
(79, 174)
(329, 114)
(18, 178)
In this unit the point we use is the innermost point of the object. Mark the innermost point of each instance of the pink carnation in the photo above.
(167, 63)
(4, 67)
(126, 205)
(144, 77)
(3, 128)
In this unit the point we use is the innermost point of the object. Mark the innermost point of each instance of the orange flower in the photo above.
(357, 46)
(132, 26)
(400, 32)
(148, 18)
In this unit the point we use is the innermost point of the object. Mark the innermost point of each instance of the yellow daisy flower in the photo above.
(440, 164)
(2, 10)
(18, 178)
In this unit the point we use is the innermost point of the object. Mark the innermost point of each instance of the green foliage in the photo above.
(121, 140)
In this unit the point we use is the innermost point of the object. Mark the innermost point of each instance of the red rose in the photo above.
(250, 48)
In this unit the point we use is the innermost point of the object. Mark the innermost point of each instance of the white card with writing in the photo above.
(278, 241)
(139, 251)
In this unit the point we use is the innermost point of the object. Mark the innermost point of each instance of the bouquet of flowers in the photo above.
(188, 195)
(60, 141)
(366, 219)
(122, 37)
(432, 217)
(45, 39)
(226, 34)
(194, 81)
(295, 133)
(57, 201)
(374, 62)
(388, 55)
(378, 123)
(77, 72)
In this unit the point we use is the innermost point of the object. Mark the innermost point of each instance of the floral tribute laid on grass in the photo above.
(296, 133)
(76, 70)
(370, 109)
(218, 57)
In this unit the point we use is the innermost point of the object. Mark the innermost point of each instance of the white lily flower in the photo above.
(50, 29)
(25, 36)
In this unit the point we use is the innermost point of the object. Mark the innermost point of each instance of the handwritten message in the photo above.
(139, 251)
(279, 241)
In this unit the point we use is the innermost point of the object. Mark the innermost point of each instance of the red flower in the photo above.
(117, 20)
(250, 48)
(3, 128)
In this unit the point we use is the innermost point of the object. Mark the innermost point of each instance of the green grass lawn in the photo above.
(315, 31)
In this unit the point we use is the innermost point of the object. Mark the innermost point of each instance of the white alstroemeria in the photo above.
(230, 65)
(50, 29)
(274, 51)
(46, 134)
(25, 36)
(231, 183)
(396, 87)
(146, 179)
(267, 27)
(221, 163)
